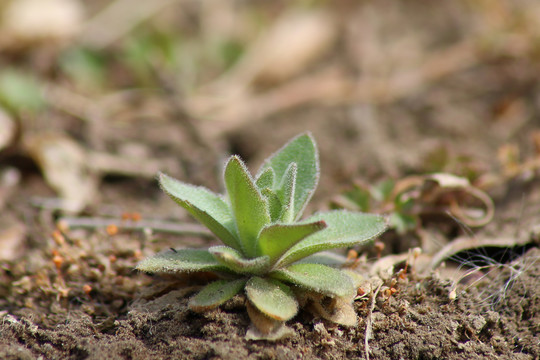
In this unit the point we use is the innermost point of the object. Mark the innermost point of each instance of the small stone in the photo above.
(477, 322)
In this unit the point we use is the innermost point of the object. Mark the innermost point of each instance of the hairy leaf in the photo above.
(274, 204)
(266, 179)
(273, 298)
(320, 278)
(275, 240)
(180, 261)
(286, 193)
(343, 229)
(355, 276)
(328, 258)
(249, 206)
(215, 294)
(302, 151)
(234, 260)
(205, 206)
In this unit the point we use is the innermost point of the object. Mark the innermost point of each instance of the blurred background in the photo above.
(111, 92)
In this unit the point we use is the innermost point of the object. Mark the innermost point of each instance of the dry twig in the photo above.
(117, 19)
(369, 321)
(154, 225)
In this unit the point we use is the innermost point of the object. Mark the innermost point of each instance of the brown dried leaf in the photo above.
(64, 166)
(447, 193)
(385, 266)
(12, 234)
(296, 40)
(30, 21)
(265, 328)
(7, 129)
(469, 243)
(9, 179)
(336, 309)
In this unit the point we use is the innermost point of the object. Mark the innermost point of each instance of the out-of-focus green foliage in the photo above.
(20, 91)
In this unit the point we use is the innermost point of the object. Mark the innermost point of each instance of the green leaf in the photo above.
(286, 193)
(383, 190)
(343, 229)
(180, 261)
(402, 222)
(272, 298)
(275, 240)
(320, 278)
(234, 260)
(85, 67)
(274, 204)
(265, 180)
(20, 91)
(356, 278)
(360, 196)
(302, 151)
(249, 206)
(215, 294)
(205, 206)
(328, 258)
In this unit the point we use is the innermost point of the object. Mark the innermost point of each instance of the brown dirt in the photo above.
(419, 322)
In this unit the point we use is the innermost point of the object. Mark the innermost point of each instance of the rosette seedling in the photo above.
(278, 261)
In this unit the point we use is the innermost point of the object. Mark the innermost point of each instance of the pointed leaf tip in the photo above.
(274, 240)
(204, 205)
(234, 260)
(249, 207)
(266, 179)
(344, 229)
(287, 193)
(301, 150)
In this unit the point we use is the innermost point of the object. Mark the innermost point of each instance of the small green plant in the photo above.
(269, 253)
(386, 196)
(410, 199)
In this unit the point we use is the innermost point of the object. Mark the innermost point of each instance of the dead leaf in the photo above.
(12, 234)
(337, 310)
(31, 21)
(7, 129)
(118, 19)
(64, 164)
(9, 178)
(470, 243)
(385, 266)
(265, 328)
(460, 196)
(447, 193)
(142, 166)
(293, 43)
(231, 109)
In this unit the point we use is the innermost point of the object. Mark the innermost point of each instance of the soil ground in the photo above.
(469, 107)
